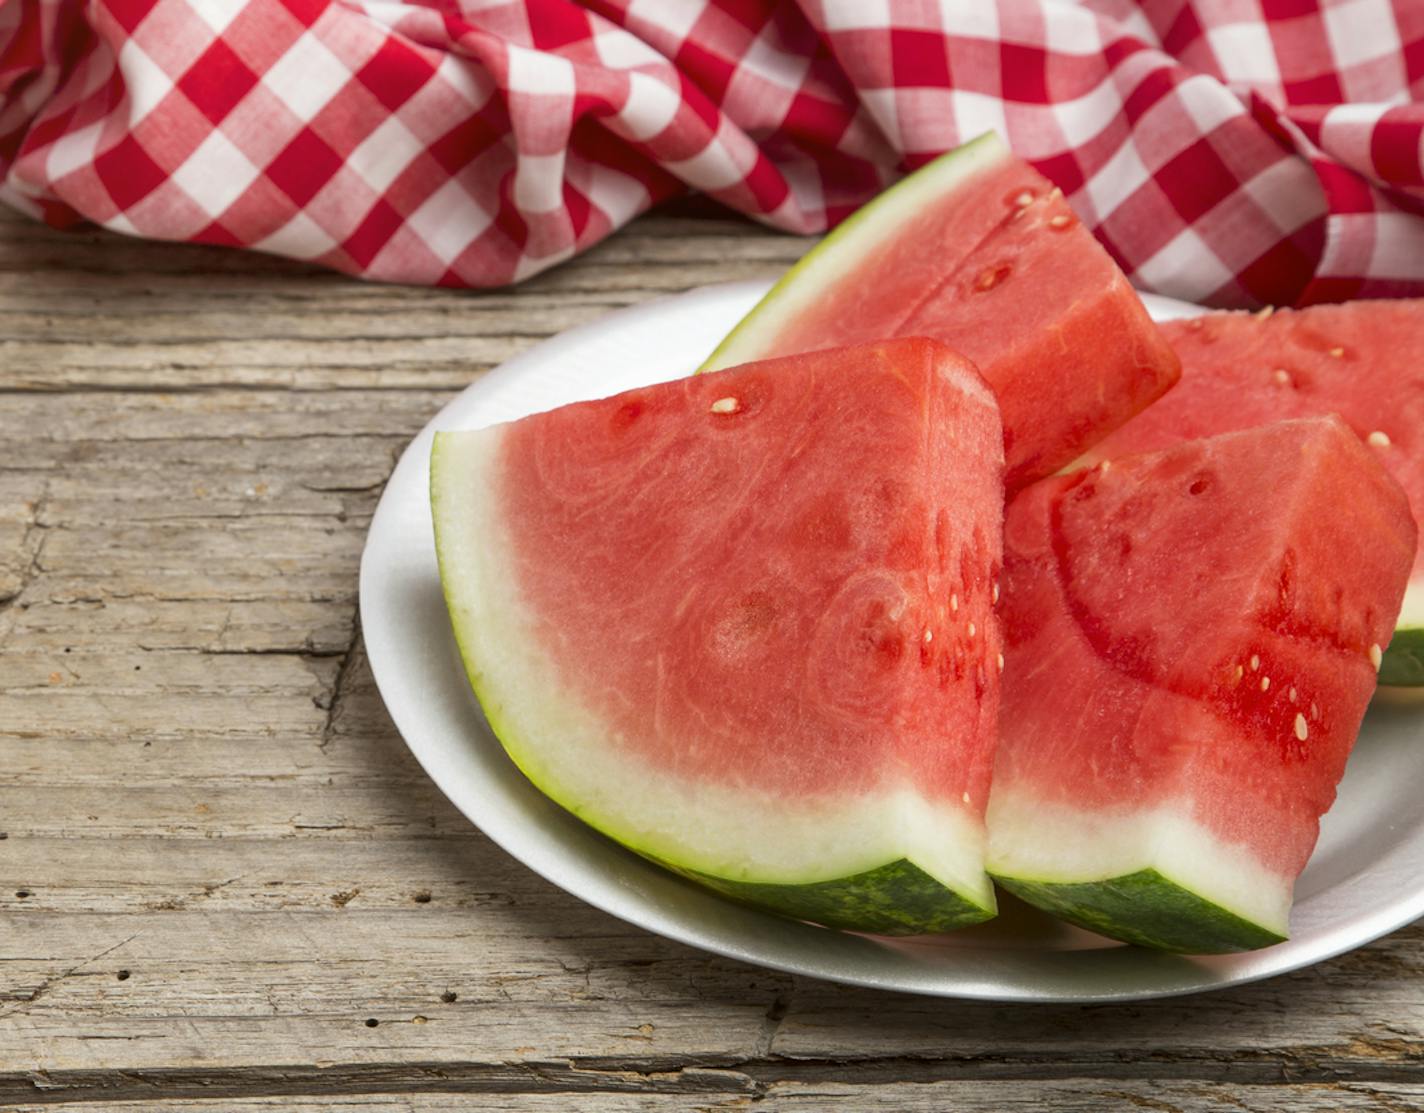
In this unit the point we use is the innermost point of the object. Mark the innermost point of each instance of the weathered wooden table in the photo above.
(225, 884)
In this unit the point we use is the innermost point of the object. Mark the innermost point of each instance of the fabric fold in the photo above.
(1233, 152)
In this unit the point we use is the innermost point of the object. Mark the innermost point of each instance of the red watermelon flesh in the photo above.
(1363, 360)
(743, 622)
(1192, 638)
(980, 251)
(1056, 331)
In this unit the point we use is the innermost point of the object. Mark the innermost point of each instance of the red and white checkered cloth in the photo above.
(1228, 151)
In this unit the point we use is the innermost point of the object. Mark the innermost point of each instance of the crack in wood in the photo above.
(33, 543)
(750, 1077)
(771, 1024)
(179, 904)
(338, 684)
(43, 989)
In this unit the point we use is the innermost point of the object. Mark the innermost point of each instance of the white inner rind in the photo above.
(839, 254)
(737, 832)
(1031, 839)
(1411, 614)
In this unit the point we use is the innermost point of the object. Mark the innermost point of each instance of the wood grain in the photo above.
(225, 884)
(794, 1097)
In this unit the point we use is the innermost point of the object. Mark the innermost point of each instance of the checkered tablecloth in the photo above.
(1229, 151)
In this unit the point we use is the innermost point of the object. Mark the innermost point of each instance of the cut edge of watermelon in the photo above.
(1403, 663)
(858, 234)
(1155, 877)
(850, 851)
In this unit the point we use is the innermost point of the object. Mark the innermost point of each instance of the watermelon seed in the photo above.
(971, 629)
(1265, 683)
(1337, 352)
(990, 277)
(1376, 657)
(995, 591)
(1301, 730)
(1104, 466)
(1291, 693)
(726, 406)
(1240, 672)
(1282, 376)
(929, 635)
(1024, 199)
(1262, 314)
(1255, 663)
(1001, 662)
(965, 797)
(1060, 221)
(1378, 439)
(954, 603)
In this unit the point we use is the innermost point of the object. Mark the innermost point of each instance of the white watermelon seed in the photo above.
(1105, 465)
(1240, 672)
(1378, 439)
(1001, 662)
(971, 629)
(1255, 663)
(1262, 314)
(1337, 352)
(929, 635)
(995, 592)
(1376, 657)
(954, 602)
(1024, 199)
(1265, 683)
(1301, 730)
(990, 277)
(965, 797)
(726, 406)
(1281, 375)
(1059, 221)
(1291, 693)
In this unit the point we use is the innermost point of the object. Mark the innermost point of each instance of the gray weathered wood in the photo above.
(936, 1097)
(220, 862)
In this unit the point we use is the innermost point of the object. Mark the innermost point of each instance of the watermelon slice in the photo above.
(1363, 360)
(1192, 639)
(980, 251)
(743, 623)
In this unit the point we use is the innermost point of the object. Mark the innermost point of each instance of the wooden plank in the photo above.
(183, 319)
(935, 1097)
(194, 983)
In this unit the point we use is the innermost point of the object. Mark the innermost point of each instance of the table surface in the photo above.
(225, 884)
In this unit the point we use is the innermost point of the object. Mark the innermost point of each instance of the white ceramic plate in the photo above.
(1366, 878)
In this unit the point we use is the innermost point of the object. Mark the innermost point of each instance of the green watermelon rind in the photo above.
(1403, 662)
(897, 898)
(1145, 908)
(839, 252)
(892, 898)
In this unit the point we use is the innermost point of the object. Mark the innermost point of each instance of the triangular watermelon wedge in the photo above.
(980, 251)
(1192, 638)
(1363, 360)
(743, 623)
